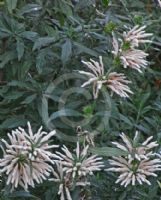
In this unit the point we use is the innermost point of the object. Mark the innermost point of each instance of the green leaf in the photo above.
(109, 27)
(20, 49)
(81, 48)
(13, 122)
(66, 137)
(29, 8)
(23, 194)
(83, 4)
(65, 8)
(25, 68)
(43, 110)
(44, 57)
(144, 99)
(11, 5)
(105, 2)
(6, 58)
(108, 151)
(40, 61)
(29, 99)
(125, 120)
(4, 33)
(142, 128)
(64, 112)
(29, 35)
(88, 110)
(20, 84)
(66, 51)
(42, 42)
(14, 95)
(158, 105)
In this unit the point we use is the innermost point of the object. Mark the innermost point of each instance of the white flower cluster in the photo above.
(27, 160)
(27, 157)
(128, 53)
(136, 36)
(129, 57)
(139, 162)
(74, 168)
(115, 81)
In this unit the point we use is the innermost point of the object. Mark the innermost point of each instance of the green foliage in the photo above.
(42, 43)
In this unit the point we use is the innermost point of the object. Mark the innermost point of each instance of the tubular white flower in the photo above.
(38, 143)
(134, 59)
(73, 168)
(64, 181)
(134, 170)
(79, 164)
(117, 83)
(95, 76)
(126, 51)
(135, 151)
(26, 157)
(138, 164)
(136, 36)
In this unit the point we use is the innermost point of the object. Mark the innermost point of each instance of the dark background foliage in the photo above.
(41, 43)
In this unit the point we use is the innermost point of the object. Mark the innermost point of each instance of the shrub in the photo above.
(85, 70)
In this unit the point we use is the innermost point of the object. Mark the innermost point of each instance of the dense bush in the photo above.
(42, 46)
